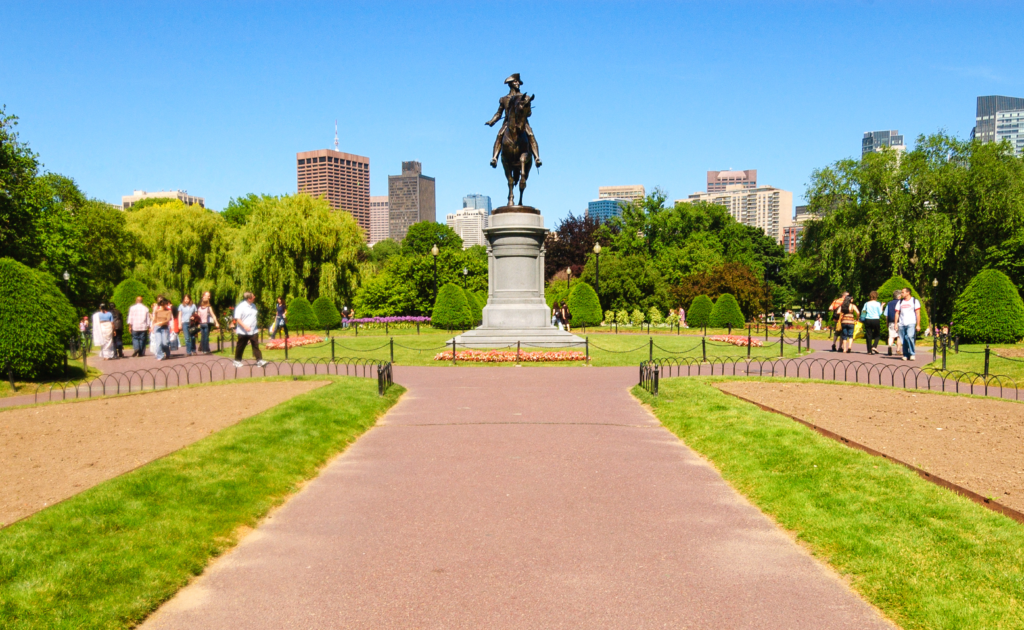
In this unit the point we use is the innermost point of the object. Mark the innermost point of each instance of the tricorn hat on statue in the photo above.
(514, 77)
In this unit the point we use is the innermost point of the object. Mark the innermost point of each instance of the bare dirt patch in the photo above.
(975, 443)
(52, 452)
(1016, 352)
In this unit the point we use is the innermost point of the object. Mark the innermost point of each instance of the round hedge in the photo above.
(726, 312)
(451, 309)
(327, 315)
(699, 313)
(989, 310)
(584, 305)
(474, 306)
(301, 316)
(36, 322)
(126, 292)
(898, 282)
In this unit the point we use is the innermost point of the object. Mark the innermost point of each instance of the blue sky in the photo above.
(217, 99)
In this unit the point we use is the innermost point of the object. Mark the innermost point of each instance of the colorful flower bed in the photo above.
(403, 319)
(737, 340)
(509, 356)
(293, 342)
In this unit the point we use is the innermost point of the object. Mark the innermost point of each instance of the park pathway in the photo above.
(517, 498)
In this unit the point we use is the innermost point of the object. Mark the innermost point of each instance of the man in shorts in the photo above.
(836, 318)
(909, 324)
(890, 319)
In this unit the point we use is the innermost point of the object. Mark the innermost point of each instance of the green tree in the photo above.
(422, 236)
(18, 169)
(474, 307)
(734, 278)
(239, 210)
(452, 310)
(699, 313)
(726, 312)
(382, 250)
(36, 323)
(584, 305)
(898, 283)
(327, 314)
(301, 316)
(405, 286)
(628, 282)
(125, 293)
(989, 310)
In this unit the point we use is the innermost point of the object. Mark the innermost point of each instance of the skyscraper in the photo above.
(1010, 126)
(874, 141)
(718, 180)
(342, 179)
(469, 224)
(765, 207)
(410, 199)
(988, 108)
(480, 202)
(602, 210)
(629, 193)
(378, 219)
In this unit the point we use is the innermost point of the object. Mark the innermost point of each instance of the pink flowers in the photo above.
(736, 340)
(293, 342)
(509, 356)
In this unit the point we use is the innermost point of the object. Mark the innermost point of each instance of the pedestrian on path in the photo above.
(247, 331)
(556, 316)
(817, 323)
(871, 314)
(566, 316)
(280, 319)
(848, 316)
(837, 326)
(161, 335)
(138, 323)
(909, 323)
(890, 319)
(103, 332)
(185, 312)
(118, 322)
(207, 318)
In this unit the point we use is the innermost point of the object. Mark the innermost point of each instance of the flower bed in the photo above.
(509, 356)
(737, 340)
(293, 342)
(402, 319)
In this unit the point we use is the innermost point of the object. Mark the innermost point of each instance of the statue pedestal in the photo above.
(516, 310)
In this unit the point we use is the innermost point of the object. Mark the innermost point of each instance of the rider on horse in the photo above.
(513, 83)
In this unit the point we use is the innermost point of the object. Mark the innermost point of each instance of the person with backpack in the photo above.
(848, 316)
(890, 319)
(909, 322)
(118, 323)
(565, 316)
(186, 313)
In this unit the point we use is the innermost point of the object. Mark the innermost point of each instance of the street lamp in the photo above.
(434, 252)
(597, 270)
(568, 279)
(465, 272)
(67, 276)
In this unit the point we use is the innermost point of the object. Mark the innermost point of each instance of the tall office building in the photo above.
(765, 207)
(127, 201)
(342, 179)
(480, 202)
(793, 234)
(718, 180)
(378, 219)
(604, 209)
(988, 109)
(875, 141)
(469, 224)
(1010, 126)
(410, 199)
(629, 193)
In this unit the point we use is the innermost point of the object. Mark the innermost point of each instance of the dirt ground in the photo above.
(52, 452)
(975, 443)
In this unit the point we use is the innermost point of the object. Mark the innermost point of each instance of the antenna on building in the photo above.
(336, 135)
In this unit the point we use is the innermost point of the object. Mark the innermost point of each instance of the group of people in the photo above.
(560, 316)
(902, 314)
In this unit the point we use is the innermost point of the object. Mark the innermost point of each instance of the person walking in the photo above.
(247, 330)
(909, 310)
(566, 316)
(118, 324)
(206, 318)
(891, 323)
(848, 316)
(788, 318)
(161, 323)
(346, 314)
(103, 332)
(817, 323)
(138, 323)
(837, 327)
(185, 312)
(280, 318)
(870, 315)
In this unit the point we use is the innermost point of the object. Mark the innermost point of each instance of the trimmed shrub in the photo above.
(36, 322)
(474, 307)
(885, 296)
(622, 318)
(451, 309)
(301, 316)
(989, 310)
(327, 314)
(699, 313)
(584, 305)
(726, 312)
(609, 317)
(654, 316)
(126, 292)
(637, 317)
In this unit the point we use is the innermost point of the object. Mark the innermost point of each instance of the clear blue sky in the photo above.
(217, 99)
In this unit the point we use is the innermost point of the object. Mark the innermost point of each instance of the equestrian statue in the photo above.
(515, 141)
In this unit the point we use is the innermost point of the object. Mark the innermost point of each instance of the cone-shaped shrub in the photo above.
(451, 309)
(327, 314)
(726, 312)
(36, 322)
(989, 310)
(885, 296)
(474, 307)
(126, 292)
(654, 316)
(301, 316)
(699, 313)
(584, 305)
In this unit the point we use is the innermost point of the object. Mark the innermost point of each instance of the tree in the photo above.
(733, 278)
(18, 169)
(36, 322)
(897, 283)
(301, 316)
(726, 312)
(327, 314)
(628, 282)
(989, 310)
(584, 305)
(451, 311)
(405, 286)
(474, 307)
(570, 245)
(239, 210)
(699, 313)
(382, 250)
(125, 293)
(422, 236)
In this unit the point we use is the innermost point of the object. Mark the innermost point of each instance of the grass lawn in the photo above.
(109, 556)
(605, 349)
(924, 556)
(75, 373)
(972, 359)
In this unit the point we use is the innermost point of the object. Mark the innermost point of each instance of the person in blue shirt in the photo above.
(890, 318)
(871, 314)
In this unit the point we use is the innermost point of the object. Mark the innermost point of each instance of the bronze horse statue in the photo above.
(516, 151)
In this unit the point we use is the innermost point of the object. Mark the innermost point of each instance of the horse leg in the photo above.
(511, 181)
(524, 173)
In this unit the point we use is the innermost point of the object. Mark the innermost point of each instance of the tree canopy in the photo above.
(422, 237)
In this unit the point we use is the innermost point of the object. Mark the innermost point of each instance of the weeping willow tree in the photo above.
(297, 246)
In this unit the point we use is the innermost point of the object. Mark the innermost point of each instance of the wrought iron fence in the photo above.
(649, 374)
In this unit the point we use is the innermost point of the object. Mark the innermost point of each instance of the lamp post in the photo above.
(568, 279)
(465, 272)
(434, 252)
(597, 270)
(931, 308)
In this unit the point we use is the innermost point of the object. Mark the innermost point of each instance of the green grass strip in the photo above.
(109, 556)
(923, 555)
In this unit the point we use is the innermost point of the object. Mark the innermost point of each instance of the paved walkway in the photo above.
(517, 498)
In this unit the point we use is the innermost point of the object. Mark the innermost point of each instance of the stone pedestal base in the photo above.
(516, 310)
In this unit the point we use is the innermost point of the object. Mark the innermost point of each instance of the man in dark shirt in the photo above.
(890, 319)
(118, 325)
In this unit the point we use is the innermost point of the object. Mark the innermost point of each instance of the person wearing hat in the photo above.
(513, 83)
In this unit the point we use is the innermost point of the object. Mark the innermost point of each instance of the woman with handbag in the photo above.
(103, 332)
(163, 319)
(848, 316)
(186, 312)
(206, 318)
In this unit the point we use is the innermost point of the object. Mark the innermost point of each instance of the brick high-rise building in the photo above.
(410, 199)
(765, 207)
(342, 179)
(378, 219)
